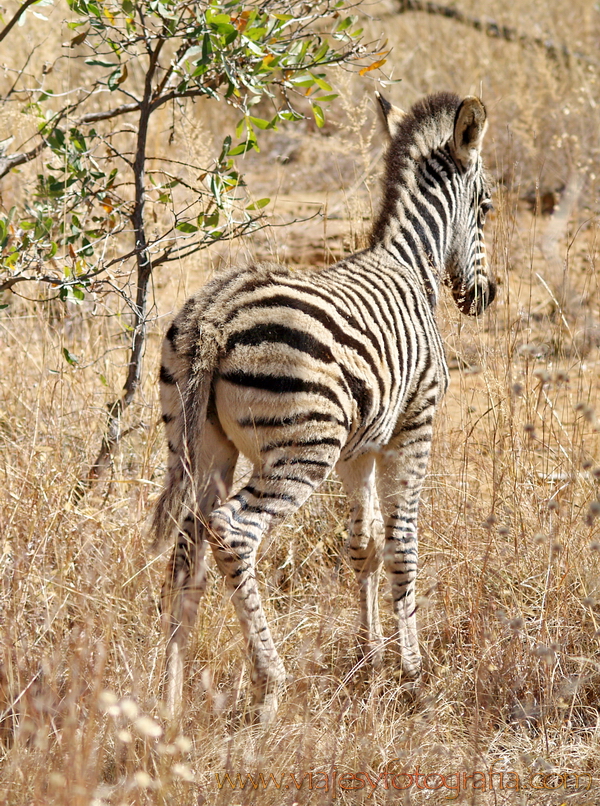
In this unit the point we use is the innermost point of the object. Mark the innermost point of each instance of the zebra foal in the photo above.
(306, 372)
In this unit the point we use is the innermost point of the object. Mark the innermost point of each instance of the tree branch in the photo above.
(8, 163)
(555, 52)
(112, 434)
(8, 284)
(94, 117)
(19, 13)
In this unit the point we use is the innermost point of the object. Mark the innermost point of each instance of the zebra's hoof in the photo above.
(412, 667)
(267, 713)
(372, 652)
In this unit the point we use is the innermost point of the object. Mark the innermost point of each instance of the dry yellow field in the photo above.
(508, 710)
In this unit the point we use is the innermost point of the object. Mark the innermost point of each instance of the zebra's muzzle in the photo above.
(474, 301)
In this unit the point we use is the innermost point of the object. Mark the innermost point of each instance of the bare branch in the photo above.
(555, 52)
(17, 16)
(8, 284)
(94, 117)
(8, 163)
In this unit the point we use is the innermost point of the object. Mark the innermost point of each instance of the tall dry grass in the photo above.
(509, 584)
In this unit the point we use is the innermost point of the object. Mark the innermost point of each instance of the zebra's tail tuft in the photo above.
(185, 394)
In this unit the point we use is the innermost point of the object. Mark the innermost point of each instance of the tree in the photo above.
(97, 185)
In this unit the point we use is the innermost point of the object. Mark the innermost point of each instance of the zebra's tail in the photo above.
(185, 387)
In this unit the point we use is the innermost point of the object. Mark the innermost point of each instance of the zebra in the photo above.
(304, 372)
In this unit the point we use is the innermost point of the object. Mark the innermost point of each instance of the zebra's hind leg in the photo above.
(274, 492)
(401, 470)
(185, 578)
(184, 584)
(365, 548)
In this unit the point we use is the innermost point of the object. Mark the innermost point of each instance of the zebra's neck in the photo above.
(416, 220)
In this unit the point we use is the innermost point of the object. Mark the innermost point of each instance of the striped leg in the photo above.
(236, 529)
(185, 578)
(402, 468)
(365, 548)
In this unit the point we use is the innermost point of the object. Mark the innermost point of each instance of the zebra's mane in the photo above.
(428, 125)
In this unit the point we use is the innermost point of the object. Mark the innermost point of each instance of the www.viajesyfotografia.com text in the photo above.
(450, 784)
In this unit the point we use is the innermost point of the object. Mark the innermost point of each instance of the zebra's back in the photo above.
(342, 353)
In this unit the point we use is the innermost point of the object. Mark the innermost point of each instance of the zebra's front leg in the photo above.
(365, 549)
(402, 467)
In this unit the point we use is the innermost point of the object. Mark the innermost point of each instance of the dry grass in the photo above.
(509, 583)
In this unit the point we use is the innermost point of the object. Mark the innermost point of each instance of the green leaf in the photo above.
(321, 83)
(291, 114)
(111, 177)
(56, 140)
(11, 259)
(255, 33)
(242, 148)
(87, 248)
(186, 226)
(216, 19)
(258, 205)
(100, 63)
(212, 220)
(346, 23)
(69, 357)
(301, 81)
(253, 47)
(78, 140)
(321, 53)
(207, 49)
(319, 115)
(117, 77)
(260, 123)
(225, 149)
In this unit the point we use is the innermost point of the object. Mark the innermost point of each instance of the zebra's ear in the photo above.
(470, 125)
(391, 115)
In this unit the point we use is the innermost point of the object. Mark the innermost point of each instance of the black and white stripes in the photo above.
(304, 373)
